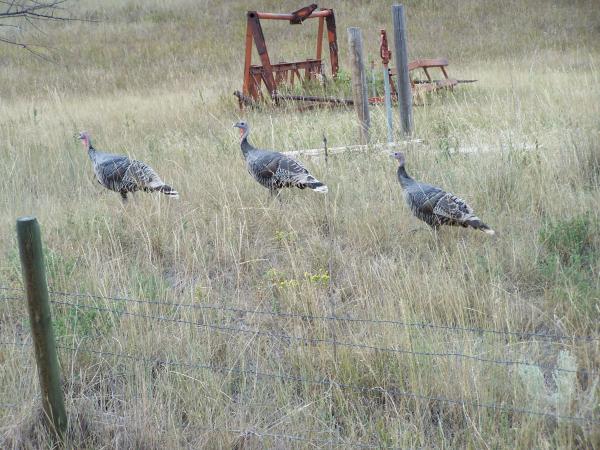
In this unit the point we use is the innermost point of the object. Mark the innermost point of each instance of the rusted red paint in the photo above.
(273, 75)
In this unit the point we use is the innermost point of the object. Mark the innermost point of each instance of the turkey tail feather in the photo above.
(168, 190)
(476, 223)
(317, 186)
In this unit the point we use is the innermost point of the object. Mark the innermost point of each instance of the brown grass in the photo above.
(155, 82)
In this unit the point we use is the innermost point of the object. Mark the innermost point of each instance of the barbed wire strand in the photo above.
(522, 334)
(260, 434)
(10, 298)
(332, 342)
(330, 383)
(18, 344)
(241, 432)
(322, 382)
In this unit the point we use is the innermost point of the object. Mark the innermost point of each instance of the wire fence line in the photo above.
(15, 343)
(249, 433)
(332, 342)
(328, 382)
(324, 381)
(284, 336)
(7, 299)
(8, 405)
(520, 334)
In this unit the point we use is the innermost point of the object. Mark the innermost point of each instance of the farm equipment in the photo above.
(419, 86)
(273, 75)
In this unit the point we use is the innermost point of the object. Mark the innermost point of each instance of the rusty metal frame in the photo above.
(419, 86)
(272, 75)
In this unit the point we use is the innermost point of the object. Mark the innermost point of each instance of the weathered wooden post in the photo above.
(359, 83)
(401, 50)
(34, 280)
(387, 92)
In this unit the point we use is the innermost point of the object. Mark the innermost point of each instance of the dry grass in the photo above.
(156, 82)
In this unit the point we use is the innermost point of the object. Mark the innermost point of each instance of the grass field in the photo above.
(156, 82)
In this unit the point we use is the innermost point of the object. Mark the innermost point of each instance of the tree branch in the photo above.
(14, 13)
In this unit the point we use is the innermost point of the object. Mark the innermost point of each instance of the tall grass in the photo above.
(155, 82)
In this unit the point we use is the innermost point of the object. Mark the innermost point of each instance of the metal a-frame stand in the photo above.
(272, 75)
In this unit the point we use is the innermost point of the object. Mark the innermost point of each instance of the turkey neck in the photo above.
(91, 151)
(246, 146)
(404, 178)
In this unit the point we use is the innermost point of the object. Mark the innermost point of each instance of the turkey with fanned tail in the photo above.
(123, 175)
(435, 206)
(275, 170)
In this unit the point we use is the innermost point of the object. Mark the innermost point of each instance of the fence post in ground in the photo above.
(34, 281)
(404, 87)
(359, 83)
(328, 214)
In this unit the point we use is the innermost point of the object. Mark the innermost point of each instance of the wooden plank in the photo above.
(385, 147)
(332, 39)
(283, 16)
(310, 63)
(435, 85)
(246, 90)
(388, 147)
(320, 37)
(261, 48)
(419, 63)
(405, 99)
(359, 83)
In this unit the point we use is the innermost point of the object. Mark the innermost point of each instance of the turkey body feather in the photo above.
(435, 206)
(274, 170)
(123, 175)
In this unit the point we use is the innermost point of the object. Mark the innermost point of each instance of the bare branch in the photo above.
(32, 13)
(30, 48)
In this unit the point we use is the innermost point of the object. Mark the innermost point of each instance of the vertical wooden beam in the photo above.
(359, 83)
(34, 280)
(332, 39)
(261, 48)
(247, 61)
(320, 37)
(404, 88)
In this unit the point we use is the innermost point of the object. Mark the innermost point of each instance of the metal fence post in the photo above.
(34, 280)
(404, 87)
(359, 83)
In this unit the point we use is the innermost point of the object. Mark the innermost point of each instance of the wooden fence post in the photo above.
(34, 280)
(404, 88)
(359, 83)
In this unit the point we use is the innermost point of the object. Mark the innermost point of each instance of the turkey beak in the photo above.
(392, 155)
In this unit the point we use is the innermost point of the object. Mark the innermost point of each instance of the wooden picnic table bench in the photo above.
(429, 85)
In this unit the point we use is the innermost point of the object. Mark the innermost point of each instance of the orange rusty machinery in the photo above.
(419, 86)
(272, 75)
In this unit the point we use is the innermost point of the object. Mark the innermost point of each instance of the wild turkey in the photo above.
(433, 205)
(123, 175)
(275, 170)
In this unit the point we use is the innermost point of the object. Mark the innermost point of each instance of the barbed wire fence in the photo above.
(422, 325)
(40, 299)
(77, 300)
